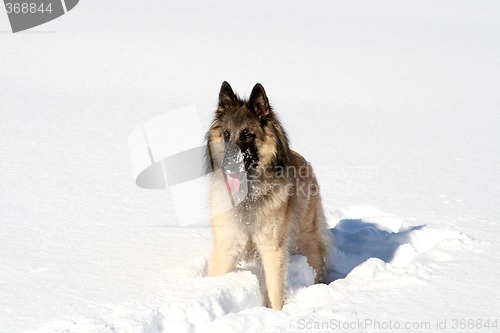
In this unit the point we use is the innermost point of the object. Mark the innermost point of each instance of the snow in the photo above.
(394, 103)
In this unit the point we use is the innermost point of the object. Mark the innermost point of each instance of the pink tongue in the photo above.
(233, 184)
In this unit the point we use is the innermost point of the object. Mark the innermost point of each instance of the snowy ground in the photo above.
(395, 103)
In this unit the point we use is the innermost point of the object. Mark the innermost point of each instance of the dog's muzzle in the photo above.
(233, 166)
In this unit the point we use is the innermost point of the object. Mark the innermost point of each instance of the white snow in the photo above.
(394, 103)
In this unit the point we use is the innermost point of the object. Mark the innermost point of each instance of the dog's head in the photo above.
(248, 135)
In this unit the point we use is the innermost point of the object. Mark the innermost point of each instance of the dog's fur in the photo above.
(282, 212)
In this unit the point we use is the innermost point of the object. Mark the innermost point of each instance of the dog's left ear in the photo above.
(226, 96)
(259, 104)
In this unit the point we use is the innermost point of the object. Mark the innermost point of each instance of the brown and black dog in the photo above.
(276, 206)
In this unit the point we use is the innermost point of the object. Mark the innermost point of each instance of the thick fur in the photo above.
(282, 212)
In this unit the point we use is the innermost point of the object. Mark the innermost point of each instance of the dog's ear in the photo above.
(226, 96)
(259, 104)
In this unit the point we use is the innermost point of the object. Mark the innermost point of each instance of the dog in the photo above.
(275, 206)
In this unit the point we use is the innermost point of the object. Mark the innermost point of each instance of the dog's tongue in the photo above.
(233, 184)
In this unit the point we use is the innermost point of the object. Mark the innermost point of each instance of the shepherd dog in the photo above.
(264, 197)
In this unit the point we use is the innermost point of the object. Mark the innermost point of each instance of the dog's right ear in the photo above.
(226, 96)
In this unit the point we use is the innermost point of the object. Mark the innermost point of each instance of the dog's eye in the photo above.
(226, 135)
(245, 135)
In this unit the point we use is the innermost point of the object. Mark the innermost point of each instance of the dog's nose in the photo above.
(233, 159)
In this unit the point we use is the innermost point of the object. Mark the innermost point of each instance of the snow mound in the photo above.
(201, 301)
(231, 293)
(361, 233)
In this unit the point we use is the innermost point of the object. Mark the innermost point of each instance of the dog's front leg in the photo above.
(273, 259)
(229, 242)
